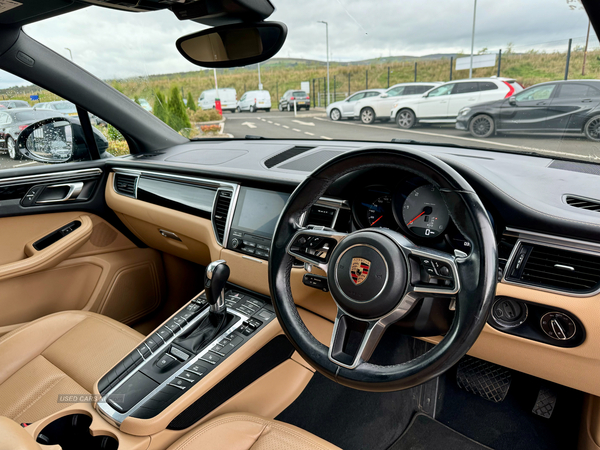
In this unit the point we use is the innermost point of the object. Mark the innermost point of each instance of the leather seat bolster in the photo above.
(244, 431)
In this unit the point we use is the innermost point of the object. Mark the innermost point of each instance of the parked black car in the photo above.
(11, 104)
(301, 98)
(554, 107)
(13, 121)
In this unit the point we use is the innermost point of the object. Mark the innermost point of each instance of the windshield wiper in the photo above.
(412, 141)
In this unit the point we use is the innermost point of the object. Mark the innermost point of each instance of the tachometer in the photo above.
(425, 213)
(379, 213)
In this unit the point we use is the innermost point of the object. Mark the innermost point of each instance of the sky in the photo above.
(115, 44)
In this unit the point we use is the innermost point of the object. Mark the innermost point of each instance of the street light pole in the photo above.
(327, 45)
(70, 53)
(259, 83)
(473, 39)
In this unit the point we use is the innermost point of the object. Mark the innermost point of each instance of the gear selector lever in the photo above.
(215, 279)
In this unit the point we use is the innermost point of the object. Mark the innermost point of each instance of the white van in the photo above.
(254, 100)
(228, 98)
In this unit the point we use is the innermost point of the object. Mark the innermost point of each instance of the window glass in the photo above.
(576, 91)
(417, 89)
(356, 97)
(487, 86)
(395, 92)
(543, 92)
(3, 118)
(372, 94)
(465, 88)
(299, 94)
(445, 89)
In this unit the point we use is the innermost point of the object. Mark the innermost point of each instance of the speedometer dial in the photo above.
(425, 213)
(379, 213)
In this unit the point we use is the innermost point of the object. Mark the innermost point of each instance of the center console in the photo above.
(163, 368)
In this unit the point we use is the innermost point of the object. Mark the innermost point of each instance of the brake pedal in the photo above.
(545, 402)
(483, 378)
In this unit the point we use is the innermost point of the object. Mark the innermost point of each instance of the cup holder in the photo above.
(73, 433)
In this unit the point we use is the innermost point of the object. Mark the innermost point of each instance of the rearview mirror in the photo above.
(233, 45)
(512, 101)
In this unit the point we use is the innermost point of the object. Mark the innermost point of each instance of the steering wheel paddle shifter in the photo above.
(215, 279)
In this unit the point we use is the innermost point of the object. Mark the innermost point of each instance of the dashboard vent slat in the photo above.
(557, 268)
(220, 213)
(125, 184)
(583, 203)
(285, 155)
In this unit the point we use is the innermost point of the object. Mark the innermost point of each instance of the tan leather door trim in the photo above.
(51, 256)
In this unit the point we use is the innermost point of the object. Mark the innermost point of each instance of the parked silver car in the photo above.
(345, 108)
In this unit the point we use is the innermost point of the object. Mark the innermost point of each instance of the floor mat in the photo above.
(425, 433)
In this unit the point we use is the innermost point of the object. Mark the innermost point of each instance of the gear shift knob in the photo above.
(215, 278)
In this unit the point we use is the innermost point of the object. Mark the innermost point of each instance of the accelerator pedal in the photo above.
(483, 378)
(545, 403)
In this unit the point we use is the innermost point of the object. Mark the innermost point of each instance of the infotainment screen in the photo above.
(257, 211)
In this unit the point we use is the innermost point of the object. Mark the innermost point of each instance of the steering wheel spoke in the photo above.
(314, 245)
(354, 340)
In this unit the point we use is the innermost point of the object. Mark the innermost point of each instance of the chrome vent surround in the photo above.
(126, 184)
(554, 268)
(221, 213)
(583, 203)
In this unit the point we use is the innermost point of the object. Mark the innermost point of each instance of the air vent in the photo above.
(583, 203)
(555, 268)
(285, 155)
(125, 184)
(220, 212)
(321, 216)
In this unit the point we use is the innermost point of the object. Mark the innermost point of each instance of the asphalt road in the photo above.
(315, 125)
(7, 163)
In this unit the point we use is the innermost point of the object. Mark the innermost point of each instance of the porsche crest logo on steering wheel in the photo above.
(359, 270)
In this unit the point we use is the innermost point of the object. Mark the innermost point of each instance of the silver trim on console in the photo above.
(533, 238)
(115, 417)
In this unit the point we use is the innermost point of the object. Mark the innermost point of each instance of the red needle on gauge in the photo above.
(380, 217)
(426, 210)
(415, 218)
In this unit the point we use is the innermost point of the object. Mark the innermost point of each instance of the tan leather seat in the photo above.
(60, 354)
(246, 431)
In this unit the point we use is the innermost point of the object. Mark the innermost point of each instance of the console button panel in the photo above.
(169, 371)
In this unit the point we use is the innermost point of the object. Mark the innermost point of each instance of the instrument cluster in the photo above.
(412, 206)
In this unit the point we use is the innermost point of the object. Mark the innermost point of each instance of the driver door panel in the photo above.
(61, 255)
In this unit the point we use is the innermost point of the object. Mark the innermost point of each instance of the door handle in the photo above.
(74, 190)
(586, 100)
(540, 104)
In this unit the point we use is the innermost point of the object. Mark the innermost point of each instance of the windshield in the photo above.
(529, 86)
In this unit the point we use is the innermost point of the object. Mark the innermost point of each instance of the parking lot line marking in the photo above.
(276, 124)
(521, 147)
(310, 134)
(328, 138)
(270, 121)
(285, 126)
(26, 164)
(296, 129)
(310, 124)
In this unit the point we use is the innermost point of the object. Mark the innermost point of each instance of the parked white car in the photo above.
(345, 108)
(442, 104)
(373, 108)
(227, 96)
(254, 100)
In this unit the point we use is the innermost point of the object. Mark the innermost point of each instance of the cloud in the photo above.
(116, 44)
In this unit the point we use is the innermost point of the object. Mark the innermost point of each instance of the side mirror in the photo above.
(57, 140)
(425, 95)
(512, 101)
(233, 45)
(384, 96)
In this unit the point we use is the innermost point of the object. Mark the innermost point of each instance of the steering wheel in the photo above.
(375, 275)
